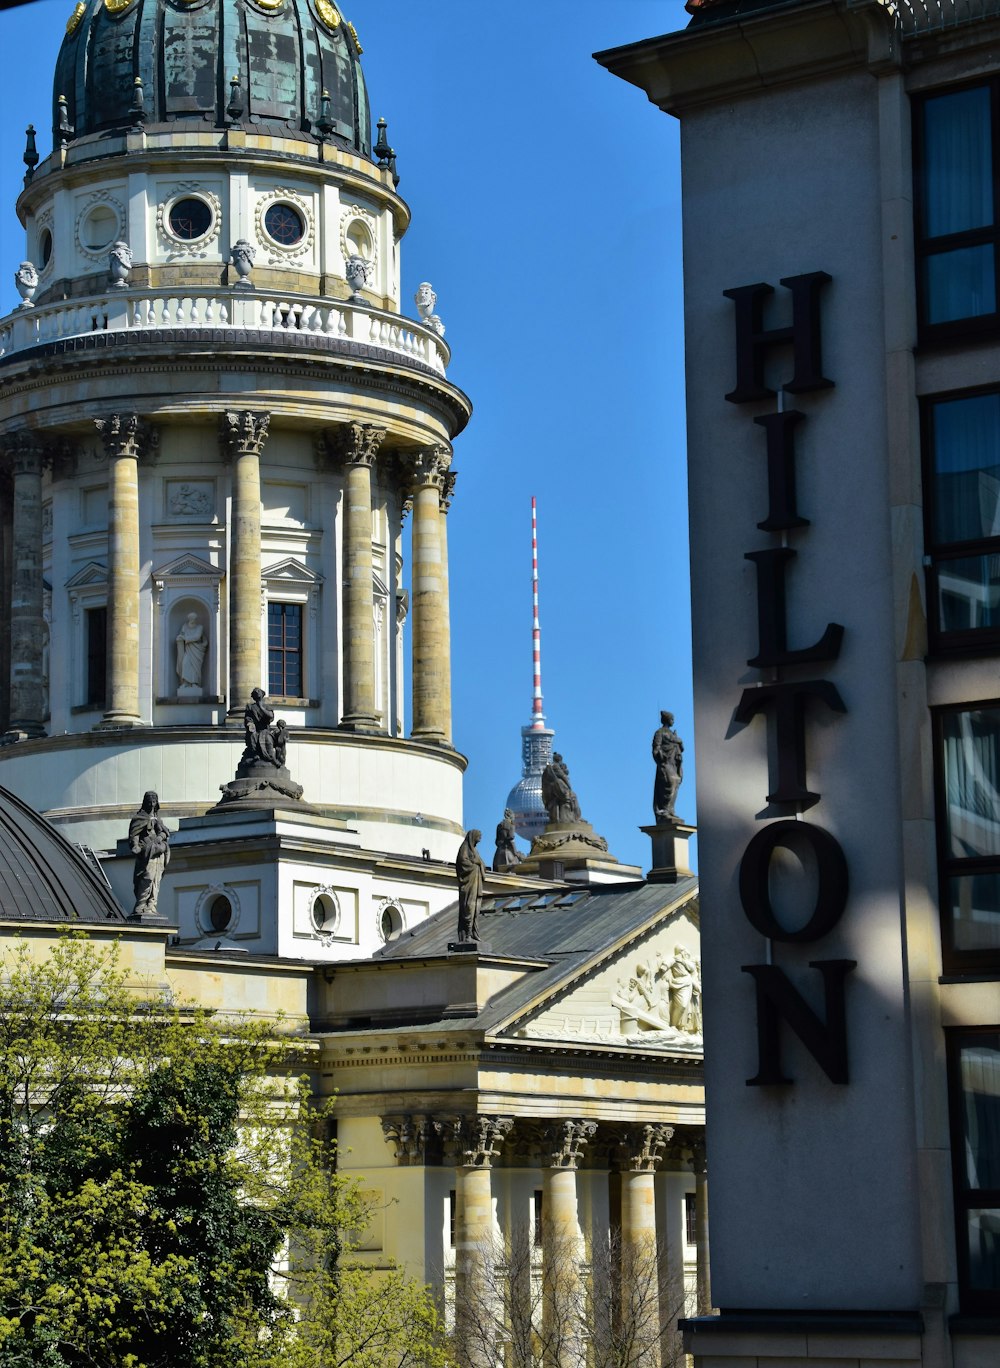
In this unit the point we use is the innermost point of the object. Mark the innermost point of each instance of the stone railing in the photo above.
(144, 310)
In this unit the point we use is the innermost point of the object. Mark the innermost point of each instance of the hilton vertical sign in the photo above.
(787, 701)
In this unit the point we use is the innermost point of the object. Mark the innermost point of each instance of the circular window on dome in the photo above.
(99, 228)
(284, 224)
(324, 914)
(45, 247)
(189, 218)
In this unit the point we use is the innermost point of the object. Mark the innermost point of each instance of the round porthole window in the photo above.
(100, 228)
(325, 914)
(220, 913)
(189, 218)
(392, 923)
(284, 224)
(45, 247)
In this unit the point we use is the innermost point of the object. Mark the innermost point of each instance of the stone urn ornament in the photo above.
(241, 258)
(119, 264)
(26, 281)
(358, 272)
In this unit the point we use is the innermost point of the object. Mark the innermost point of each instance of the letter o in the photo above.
(831, 870)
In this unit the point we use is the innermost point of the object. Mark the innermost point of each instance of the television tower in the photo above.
(525, 798)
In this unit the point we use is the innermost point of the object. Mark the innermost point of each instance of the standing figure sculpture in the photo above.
(683, 990)
(668, 752)
(559, 800)
(506, 853)
(470, 872)
(149, 842)
(192, 646)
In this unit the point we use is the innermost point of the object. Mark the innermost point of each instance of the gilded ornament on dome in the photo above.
(354, 35)
(116, 6)
(73, 22)
(328, 13)
(269, 4)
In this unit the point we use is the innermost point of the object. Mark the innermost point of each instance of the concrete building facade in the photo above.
(839, 164)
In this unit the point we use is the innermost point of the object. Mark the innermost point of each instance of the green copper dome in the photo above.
(285, 54)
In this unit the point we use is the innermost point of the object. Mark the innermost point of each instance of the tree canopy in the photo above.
(167, 1191)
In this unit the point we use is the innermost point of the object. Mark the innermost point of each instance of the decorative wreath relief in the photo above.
(100, 222)
(285, 226)
(188, 221)
(389, 919)
(358, 235)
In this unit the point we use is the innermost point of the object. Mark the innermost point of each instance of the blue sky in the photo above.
(546, 213)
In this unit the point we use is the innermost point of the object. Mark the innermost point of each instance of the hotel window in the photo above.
(968, 748)
(284, 650)
(974, 1084)
(961, 440)
(955, 149)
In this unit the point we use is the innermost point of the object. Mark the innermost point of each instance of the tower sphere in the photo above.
(285, 56)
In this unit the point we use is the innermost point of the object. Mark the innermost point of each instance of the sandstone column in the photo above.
(431, 684)
(563, 1292)
(358, 448)
(644, 1303)
(123, 437)
(23, 453)
(700, 1165)
(447, 494)
(243, 435)
(478, 1308)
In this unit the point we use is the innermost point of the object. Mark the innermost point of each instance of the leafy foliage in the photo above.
(166, 1194)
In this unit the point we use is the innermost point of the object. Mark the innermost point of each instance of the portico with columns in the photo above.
(522, 1134)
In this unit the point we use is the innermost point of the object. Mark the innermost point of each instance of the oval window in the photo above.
(100, 228)
(285, 224)
(221, 913)
(325, 913)
(45, 247)
(189, 218)
(392, 923)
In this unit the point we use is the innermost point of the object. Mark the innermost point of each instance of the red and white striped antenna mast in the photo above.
(537, 715)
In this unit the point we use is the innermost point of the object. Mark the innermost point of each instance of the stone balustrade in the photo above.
(214, 309)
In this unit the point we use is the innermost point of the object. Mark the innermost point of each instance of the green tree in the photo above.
(166, 1195)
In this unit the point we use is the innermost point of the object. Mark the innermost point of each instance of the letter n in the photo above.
(778, 1000)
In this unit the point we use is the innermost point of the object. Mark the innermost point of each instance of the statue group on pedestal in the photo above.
(266, 739)
(560, 802)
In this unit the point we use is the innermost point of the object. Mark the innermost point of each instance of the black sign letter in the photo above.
(772, 628)
(753, 339)
(786, 703)
(825, 1040)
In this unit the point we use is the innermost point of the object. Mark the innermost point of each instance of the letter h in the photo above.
(753, 339)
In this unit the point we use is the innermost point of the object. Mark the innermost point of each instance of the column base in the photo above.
(118, 721)
(23, 731)
(433, 738)
(359, 723)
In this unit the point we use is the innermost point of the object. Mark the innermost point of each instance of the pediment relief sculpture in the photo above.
(662, 997)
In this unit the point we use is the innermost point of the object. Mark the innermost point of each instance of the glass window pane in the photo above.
(957, 182)
(972, 782)
(968, 592)
(974, 901)
(959, 284)
(984, 1249)
(966, 446)
(980, 1078)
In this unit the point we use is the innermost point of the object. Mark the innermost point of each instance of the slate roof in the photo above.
(566, 928)
(42, 878)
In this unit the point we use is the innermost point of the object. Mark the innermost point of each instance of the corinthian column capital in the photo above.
(427, 466)
(357, 443)
(642, 1148)
(410, 1136)
(23, 452)
(448, 489)
(244, 432)
(125, 435)
(564, 1142)
(473, 1141)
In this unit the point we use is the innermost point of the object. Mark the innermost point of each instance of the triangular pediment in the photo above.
(291, 571)
(187, 564)
(646, 994)
(91, 573)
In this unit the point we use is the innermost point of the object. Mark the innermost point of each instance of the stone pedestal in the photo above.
(566, 841)
(259, 784)
(670, 851)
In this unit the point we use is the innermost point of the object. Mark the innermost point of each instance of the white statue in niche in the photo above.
(192, 647)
